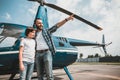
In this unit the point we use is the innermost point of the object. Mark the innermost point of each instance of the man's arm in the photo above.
(59, 24)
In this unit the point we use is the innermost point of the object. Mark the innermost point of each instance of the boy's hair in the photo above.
(28, 30)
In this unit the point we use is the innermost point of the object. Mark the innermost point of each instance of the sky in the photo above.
(105, 13)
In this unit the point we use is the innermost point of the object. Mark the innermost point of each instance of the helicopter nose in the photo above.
(1, 28)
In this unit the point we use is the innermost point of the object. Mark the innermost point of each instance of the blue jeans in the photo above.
(44, 65)
(26, 74)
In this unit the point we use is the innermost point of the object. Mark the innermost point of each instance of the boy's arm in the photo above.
(20, 53)
(59, 24)
(21, 66)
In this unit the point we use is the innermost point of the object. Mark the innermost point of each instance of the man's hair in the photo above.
(28, 30)
(37, 19)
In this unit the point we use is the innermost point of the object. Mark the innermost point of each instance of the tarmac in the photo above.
(82, 72)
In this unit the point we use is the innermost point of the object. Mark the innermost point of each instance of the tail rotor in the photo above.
(104, 45)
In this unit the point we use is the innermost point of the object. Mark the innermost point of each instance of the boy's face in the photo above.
(31, 34)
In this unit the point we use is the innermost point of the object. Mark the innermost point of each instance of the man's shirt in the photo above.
(40, 41)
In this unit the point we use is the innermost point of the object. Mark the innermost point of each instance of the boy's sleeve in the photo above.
(22, 42)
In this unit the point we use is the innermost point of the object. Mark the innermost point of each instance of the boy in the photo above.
(27, 54)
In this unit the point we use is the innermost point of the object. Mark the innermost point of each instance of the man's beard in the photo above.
(40, 28)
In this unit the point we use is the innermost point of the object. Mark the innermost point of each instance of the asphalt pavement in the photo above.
(82, 72)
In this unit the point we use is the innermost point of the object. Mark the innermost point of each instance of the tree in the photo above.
(97, 55)
(90, 56)
(81, 55)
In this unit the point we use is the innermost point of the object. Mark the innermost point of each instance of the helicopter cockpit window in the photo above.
(1, 29)
(66, 40)
(63, 39)
(11, 30)
(7, 42)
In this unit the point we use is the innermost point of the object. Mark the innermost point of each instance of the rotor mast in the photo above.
(41, 2)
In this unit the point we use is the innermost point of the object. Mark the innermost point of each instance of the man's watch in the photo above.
(66, 19)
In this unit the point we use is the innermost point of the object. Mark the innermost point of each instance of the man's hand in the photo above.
(71, 17)
(21, 66)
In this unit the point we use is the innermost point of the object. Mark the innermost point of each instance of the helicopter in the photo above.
(66, 48)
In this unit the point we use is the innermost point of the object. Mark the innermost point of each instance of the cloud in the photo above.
(112, 25)
(68, 5)
(104, 13)
(33, 9)
(7, 16)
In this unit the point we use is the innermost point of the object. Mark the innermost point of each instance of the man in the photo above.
(45, 48)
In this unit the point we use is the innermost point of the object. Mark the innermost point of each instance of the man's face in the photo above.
(39, 24)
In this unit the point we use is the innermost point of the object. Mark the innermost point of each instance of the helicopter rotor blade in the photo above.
(75, 16)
